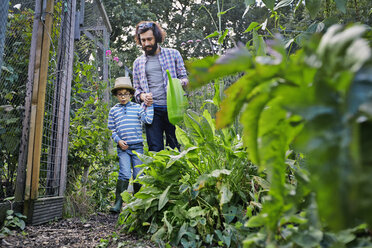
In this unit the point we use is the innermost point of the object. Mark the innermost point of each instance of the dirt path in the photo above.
(76, 232)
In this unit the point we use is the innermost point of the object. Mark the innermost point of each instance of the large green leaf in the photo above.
(183, 138)
(194, 212)
(174, 158)
(269, 3)
(256, 221)
(341, 5)
(193, 126)
(313, 6)
(282, 4)
(259, 44)
(308, 238)
(223, 36)
(225, 194)
(203, 71)
(235, 97)
(250, 119)
(163, 199)
(252, 26)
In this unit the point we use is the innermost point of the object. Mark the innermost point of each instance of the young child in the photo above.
(125, 121)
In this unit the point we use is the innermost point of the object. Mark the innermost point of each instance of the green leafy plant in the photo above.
(199, 196)
(12, 95)
(308, 100)
(91, 172)
(13, 221)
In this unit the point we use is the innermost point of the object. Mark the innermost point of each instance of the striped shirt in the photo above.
(125, 121)
(170, 59)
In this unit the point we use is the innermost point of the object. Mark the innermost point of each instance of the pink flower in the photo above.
(116, 59)
(198, 40)
(190, 41)
(108, 52)
(183, 44)
(120, 64)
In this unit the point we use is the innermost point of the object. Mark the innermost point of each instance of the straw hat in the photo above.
(123, 83)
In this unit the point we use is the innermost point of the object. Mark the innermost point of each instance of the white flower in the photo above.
(17, 6)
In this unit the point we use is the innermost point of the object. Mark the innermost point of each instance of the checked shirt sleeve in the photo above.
(180, 66)
(136, 81)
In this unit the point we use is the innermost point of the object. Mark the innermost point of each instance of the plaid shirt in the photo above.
(170, 59)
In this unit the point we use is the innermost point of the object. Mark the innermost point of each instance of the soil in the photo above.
(96, 231)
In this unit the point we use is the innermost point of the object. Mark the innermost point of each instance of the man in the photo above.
(150, 81)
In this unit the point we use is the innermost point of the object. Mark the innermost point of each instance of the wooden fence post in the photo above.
(63, 175)
(22, 159)
(38, 103)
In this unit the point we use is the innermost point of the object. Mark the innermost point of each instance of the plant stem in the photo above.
(357, 17)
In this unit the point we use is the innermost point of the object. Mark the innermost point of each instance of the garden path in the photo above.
(95, 231)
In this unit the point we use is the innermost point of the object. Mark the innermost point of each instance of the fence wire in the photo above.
(15, 41)
(91, 44)
(55, 101)
(16, 29)
(93, 34)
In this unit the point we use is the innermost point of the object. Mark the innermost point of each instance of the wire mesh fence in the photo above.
(16, 31)
(93, 39)
(16, 41)
(55, 117)
(89, 89)
(38, 36)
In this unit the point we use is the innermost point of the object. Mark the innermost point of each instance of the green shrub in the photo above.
(199, 196)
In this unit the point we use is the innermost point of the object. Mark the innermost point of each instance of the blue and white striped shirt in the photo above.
(125, 121)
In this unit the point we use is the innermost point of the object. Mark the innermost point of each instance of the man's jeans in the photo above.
(155, 131)
(129, 160)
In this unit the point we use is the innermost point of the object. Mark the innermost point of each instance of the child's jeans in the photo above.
(128, 160)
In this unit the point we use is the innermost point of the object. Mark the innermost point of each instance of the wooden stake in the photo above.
(38, 103)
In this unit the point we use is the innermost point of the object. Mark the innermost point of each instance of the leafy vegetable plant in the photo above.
(199, 196)
(315, 101)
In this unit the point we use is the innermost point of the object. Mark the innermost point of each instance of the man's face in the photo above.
(148, 42)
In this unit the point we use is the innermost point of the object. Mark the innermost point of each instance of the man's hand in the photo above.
(184, 83)
(147, 98)
(123, 145)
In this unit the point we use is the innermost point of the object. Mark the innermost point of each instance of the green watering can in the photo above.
(176, 100)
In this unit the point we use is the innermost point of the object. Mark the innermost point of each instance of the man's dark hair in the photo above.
(144, 26)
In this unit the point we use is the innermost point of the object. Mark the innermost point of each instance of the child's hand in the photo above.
(123, 145)
(147, 99)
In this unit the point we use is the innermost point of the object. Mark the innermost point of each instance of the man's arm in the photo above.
(181, 70)
(136, 82)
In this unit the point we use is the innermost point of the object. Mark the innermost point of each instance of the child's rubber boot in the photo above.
(121, 185)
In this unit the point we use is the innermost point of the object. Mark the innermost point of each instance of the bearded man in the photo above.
(150, 81)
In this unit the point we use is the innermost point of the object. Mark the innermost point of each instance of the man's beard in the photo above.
(152, 50)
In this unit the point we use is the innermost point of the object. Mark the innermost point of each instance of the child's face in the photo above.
(123, 96)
